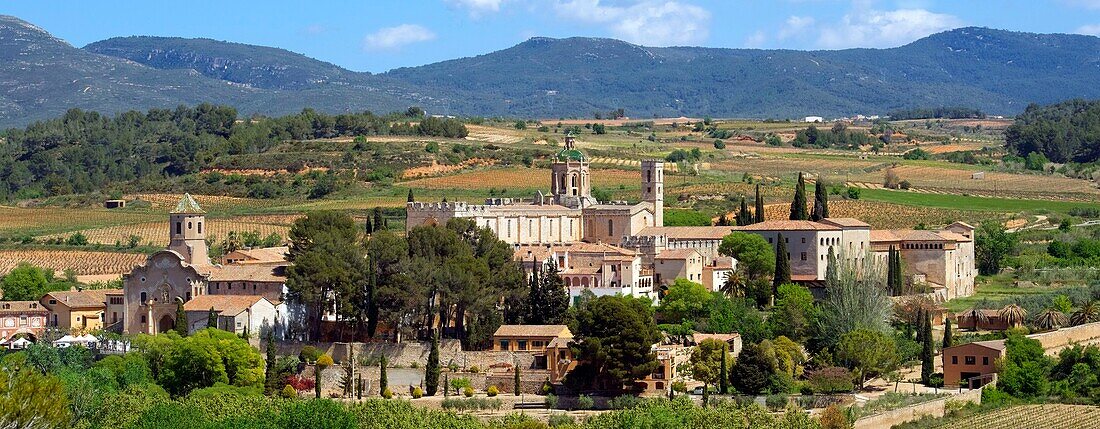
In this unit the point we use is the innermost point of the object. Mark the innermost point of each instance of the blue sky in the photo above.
(378, 35)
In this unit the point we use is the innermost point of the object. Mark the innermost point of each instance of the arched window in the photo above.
(200, 227)
(144, 298)
(610, 226)
(188, 225)
(179, 227)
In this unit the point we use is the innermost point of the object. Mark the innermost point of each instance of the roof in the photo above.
(542, 252)
(571, 155)
(265, 254)
(788, 225)
(87, 298)
(582, 270)
(698, 337)
(885, 235)
(187, 205)
(22, 307)
(991, 344)
(533, 331)
(804, 277)
(559, 343)
(849, 222)
(678, 254)
(225, 305)
(268, 273)
(688, 232)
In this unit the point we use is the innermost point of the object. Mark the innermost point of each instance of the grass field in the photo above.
(962, 202)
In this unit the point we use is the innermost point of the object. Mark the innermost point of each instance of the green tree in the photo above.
(993, 243)
(383, 381)
(753, 371)
(708, 362)
(612, 343)
(684, 301)
(515, 380)
(759, 201)
(181, 320)
(782, 264)
(431, 369)
(798, 205)
(856, 300)
(1025, 370)
(203, 359)
(753, 253)
(868, 353)
(744, 217)
(30, 399)
(271, 372)
(821, 201)
(794, 314)
(27, 282)
(928, 352)
(948, 336)
(327, 267)
(212, 319)
(410, 197)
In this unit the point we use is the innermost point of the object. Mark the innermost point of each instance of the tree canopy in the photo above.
(613, 336)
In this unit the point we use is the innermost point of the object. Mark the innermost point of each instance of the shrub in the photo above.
(585, 402)
(832, 379)
(853, 193)
(905, 185)
(546, 389)
(623, 402)
(417, 393)
(551, 401)
(492, 391)
(468, 391)
(289, 392)
(834, 418)
(718, 144)
(387, 393)
(560, 419)
(475, 369)
(776, 402)
(309, 354)
(300, 383)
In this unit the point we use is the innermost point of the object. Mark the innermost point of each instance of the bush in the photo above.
(309, 354)
(718, 144)
(585, 402)
(905, 185)
(417, 393)
(551, 401)
(387, 393)
(299, 383)
(468, 391)
(492, 391)
(832, 379)
(834, 418)
(289, 392)
(561, 419)
(546, 388)
(623, 402)
(474, 369)
(776, 402)
(853, 193)
(471, 404)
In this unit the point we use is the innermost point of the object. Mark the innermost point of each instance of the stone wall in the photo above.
(934, 408)
(1055, 340)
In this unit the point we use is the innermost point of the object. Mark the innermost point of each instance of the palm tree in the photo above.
(1050, 319)
(1088, 313)
(977, 316)
(1013, 315)
(734, 285)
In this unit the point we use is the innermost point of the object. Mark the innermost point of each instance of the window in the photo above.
(971, 360)
(536, 344)
(188, 224)
(179, 227)
(23, 320)
(985, 360)
(504, 344)
(521, 345)
(144, 299)
(200, 227)
(770, 240)
(954, 360)
(142, 318)
(610, 226)
(803, 256)
(803, 240)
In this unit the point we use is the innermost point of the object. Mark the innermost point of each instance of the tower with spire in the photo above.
(187, 234)
(571, 183)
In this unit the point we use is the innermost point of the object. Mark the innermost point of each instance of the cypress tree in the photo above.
(379, 219)
(899, 274)
(515, 380)
(927, 350)
(536, 299)
(383, 382)
(431, 369)
(181, 320)
(271, 385)
(891, 272)
(759, 206)
(798, 206)
(446, 385)
(744, 217)
(411, 195)
(722, 376)
(920, 326)
(369, 227)
(782, 265)
(831, 276)
(821, 202)
(212, 319)
(948, 339)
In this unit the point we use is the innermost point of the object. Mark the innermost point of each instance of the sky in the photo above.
(380, 35)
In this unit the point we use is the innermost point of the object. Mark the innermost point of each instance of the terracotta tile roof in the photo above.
(788, 225)
(688, 232)
(22, 307)
(265, 254)
(542, 252)
(187, 205)
(886, 235)
(679, 254)
(849, 222)
(88, 298)
(533, 331)
(267, 273)
(225, 305)
(559, 343)
(582, 270)
(698, 337)
(951, 235)
(993, 344)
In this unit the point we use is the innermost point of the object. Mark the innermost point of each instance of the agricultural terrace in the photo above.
(81, 262)
(1047, 416)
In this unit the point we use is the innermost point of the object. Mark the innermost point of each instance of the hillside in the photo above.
(998, 72)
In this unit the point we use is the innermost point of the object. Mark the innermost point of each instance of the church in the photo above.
(170, 278)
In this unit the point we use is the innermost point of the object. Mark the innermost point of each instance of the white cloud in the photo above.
(477, 7)
(1087, 4)
(396, 37)
(796, 25)
(756, 40)
(1090, 30)
(647, 22)
(869, 28)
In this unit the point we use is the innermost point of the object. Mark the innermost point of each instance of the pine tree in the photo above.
(948, 338)
(383, 381)
(411, 196)
(271, 385)
(431, 369)
(927, 350)
(212, 319)
(782, 265)
(181, 320)
(798, 206)
(821, 202)
(759, 206)
(555, 294)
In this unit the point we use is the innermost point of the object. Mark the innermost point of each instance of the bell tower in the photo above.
(653, 192)
(187, 234)
(571, 184)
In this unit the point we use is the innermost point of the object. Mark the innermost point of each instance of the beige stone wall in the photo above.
(808, 243)
(934, 408)
(1055, 340)
(164, 279)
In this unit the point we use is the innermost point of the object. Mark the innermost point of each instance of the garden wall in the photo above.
(1054, 340)
(934, 408)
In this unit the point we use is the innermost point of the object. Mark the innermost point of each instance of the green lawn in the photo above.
(961, 202)
(999, 288)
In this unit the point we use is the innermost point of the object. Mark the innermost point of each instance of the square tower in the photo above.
(653, 192)
(187, 234)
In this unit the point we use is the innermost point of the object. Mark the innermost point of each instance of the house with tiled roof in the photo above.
(547, 344)
(599, 268)
(28, 318)
(234, 313)
(77, 310)
(942, 259)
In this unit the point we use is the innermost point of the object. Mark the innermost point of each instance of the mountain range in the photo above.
(998, 71)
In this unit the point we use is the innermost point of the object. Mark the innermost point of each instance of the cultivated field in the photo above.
(156, 233)
(519, 178)
(83, 262)
(1047, 416)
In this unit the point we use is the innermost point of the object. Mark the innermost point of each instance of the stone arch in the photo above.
(166, 323)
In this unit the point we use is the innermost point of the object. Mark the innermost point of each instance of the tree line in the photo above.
(1064, 132)
(936, 113)
(84, 151)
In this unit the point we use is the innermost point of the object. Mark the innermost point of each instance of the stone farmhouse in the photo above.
(183, 272)
(618, 248)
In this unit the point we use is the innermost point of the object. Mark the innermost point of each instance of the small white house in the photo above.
(813, 119)
(235, 313)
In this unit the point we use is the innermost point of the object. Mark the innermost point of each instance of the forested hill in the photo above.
(1063, 132)
(997, 72)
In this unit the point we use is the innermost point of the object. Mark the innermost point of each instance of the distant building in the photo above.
(972, 363)
(78, 311)
(813, 119)
(235, 313)
(549, 345)
(28, 318)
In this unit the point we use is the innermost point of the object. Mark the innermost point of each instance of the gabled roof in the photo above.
(264, 254)
(678, 254)
(533, 331)
(187, 205)
(998, 345)
(225, 305)
(846, 222)
(887, 235)
(268, 273)
(22, 307)
(88, 298)
(542, 252)
(788, 225)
